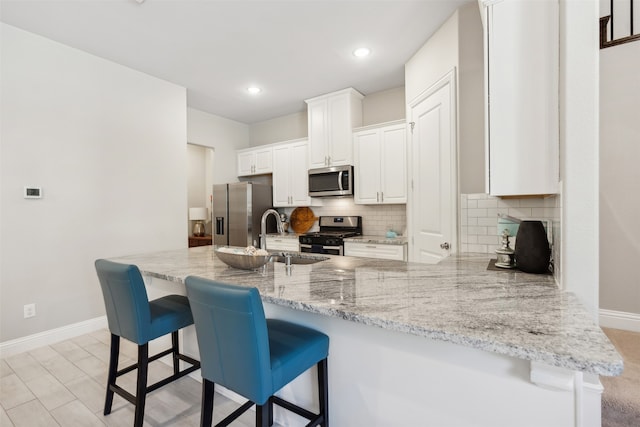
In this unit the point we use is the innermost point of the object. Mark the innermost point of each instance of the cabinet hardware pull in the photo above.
(445, 246)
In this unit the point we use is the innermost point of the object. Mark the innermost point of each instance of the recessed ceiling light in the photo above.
(361, 52)
(253, 90)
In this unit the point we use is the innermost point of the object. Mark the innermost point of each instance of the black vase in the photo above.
(532, 252)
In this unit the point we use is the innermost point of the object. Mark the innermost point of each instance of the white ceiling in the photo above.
(293, 50)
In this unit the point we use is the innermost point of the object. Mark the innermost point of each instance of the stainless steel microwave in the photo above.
(331, 181)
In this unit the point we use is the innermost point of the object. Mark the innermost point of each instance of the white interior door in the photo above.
(432, 203)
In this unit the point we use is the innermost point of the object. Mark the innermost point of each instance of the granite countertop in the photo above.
(286, 235)
(458, 300)
(378, 240)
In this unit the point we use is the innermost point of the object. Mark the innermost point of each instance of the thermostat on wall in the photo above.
(32, 192)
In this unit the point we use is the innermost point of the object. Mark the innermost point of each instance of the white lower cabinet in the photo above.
(376, 250)
(290, 175)
(282, 244)
(380, 162)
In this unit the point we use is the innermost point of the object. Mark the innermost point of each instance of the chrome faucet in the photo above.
(263, 226)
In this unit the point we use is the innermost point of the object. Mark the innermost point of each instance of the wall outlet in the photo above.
(29, 310)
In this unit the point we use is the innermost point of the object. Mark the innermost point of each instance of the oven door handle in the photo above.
(323, 246)
(340, 180)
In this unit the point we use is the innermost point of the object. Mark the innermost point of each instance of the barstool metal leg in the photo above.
(175, 347)
(323, 392)
(206, 410)
(262, 415)
(112, 374)
(141, 387)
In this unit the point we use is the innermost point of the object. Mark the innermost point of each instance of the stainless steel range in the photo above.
(330, 238)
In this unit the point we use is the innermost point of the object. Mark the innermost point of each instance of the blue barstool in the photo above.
(253, 356)
(132, 316)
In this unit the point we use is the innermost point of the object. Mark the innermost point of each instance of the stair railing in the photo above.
(609, 21)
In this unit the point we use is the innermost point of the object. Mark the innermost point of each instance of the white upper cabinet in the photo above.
(290, 174)
(332, 118)
(255, 161)
(380, 162)
(521, 62)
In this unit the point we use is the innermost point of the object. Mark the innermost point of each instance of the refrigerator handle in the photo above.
(220, 225)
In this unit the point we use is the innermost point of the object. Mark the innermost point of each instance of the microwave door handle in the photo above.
(340, 180)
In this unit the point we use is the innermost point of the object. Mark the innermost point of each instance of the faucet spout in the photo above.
(263, 226)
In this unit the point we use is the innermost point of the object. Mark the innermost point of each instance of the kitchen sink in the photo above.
(297, 258)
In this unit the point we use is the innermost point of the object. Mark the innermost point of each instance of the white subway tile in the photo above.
(472, 204)
(520, 213)
(477, 196)
(481, 231)
(488, 221)
(489, 203)
(472, 220)
(532, 203)
(478, 248)
(509, 203)
(477, 213)
(493, 213)
(488, 240)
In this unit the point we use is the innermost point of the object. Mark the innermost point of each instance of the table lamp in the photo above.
(198, 215)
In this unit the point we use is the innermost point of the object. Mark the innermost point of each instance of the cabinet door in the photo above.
(263, 160)
(245, 163)
(395, 252)
(281, 176)
(318, 138)
(393, 180)
(367, 167)
(340, 131)
(523, 139)
(299, 177)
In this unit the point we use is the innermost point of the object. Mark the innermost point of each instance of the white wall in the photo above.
(620, 178)
(457, 44)
(378, 107)
(433, 60)
(108, 146)
(223, 135)
(384, 106)
(199, 181)
(579, 164)
(284, 128)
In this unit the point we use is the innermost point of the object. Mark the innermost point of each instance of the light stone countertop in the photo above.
(458, 300)
(378, 240)
(284, 235)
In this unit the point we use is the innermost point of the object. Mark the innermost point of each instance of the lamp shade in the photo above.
(197, 214)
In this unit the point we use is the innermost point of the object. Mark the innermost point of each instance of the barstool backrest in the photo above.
(232, 337)
(125, 300)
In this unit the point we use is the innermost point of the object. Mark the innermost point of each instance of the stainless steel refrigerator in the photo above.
(237, 211)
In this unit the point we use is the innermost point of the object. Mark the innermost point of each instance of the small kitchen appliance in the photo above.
(532, 252)
(331, 181)
(330, 238)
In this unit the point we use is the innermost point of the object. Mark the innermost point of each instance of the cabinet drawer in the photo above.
(282, 244)
(372, 250)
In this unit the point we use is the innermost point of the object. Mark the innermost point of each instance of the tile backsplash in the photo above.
(479, 221)
(376, 219)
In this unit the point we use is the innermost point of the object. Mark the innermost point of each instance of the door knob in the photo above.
(445, 246)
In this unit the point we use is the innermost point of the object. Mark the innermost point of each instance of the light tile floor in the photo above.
(64, 384)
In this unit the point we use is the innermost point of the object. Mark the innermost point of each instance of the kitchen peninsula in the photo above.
(451, 344)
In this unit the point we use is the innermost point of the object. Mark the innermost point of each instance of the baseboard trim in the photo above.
(20, 345)
(620, 320)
